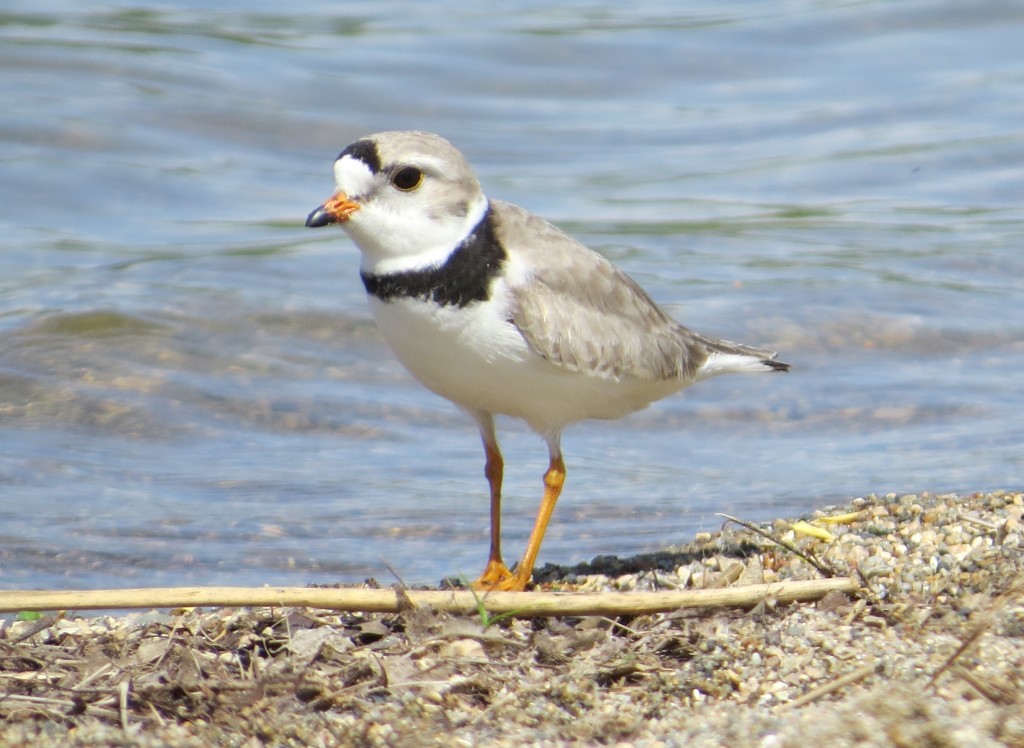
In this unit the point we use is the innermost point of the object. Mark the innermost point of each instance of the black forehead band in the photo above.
(365, 151)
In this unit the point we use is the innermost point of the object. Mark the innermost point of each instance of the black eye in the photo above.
(407, 178)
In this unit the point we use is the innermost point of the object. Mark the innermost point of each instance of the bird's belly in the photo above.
(478, 360)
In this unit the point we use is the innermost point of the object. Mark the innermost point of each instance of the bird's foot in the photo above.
(497, 577)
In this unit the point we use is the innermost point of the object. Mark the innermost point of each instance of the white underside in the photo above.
(476, 359)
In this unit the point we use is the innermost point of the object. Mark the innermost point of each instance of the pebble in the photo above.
(939, 572)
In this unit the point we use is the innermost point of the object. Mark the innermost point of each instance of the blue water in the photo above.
(191, 390)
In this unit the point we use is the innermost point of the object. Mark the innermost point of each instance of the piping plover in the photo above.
(500, 312)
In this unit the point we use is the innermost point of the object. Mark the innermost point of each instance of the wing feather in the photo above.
(584, 314)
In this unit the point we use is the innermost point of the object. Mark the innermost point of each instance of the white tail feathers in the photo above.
(737, 363)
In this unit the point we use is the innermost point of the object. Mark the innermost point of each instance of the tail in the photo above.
(726, 357)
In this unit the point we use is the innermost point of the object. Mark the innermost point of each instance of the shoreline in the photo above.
(927, 652)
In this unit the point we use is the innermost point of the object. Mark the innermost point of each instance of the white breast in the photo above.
(477, 359)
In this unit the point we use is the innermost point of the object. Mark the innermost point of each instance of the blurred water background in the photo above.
(191, 390)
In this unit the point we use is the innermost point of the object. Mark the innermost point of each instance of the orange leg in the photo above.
(496, 573)
(554, 478)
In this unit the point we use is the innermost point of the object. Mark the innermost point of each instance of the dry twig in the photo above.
(520, 604)
(833, 686)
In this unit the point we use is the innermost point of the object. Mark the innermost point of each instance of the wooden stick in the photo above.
(859, 674)
(522, 604)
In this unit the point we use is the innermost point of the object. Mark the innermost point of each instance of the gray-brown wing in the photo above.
(579, 311)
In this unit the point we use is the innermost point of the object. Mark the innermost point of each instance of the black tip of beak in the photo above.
(319, 217)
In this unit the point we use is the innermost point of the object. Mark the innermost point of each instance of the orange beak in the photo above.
(337, 209)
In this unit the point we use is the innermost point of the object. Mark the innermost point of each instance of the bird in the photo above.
(502, 313)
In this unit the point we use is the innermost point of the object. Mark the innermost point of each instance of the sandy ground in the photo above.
(928, 653)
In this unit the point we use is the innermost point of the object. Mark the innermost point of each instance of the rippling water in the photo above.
(191, 390)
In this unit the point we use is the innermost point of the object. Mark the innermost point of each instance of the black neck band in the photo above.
(465, 277)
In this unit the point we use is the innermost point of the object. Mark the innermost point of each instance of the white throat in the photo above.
(394, 241)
